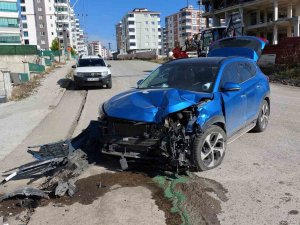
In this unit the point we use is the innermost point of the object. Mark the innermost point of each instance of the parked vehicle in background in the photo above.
(187, 110)
(92, 71)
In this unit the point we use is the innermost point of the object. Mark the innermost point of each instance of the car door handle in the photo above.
(243, 95)
(258, 86)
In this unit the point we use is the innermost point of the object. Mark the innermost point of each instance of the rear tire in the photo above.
(263, 117)
(209, 148)
(109, 85)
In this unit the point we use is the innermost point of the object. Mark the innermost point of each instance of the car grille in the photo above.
(98, 74)
(127, 129)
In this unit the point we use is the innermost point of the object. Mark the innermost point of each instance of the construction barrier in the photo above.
(18, 50)
(36, 68)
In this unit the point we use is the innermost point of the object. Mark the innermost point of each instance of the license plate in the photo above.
(92, 79)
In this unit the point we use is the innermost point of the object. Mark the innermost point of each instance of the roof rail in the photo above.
(99, 56)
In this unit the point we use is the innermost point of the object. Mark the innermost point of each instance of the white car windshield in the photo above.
(90, 62)
(193, 77)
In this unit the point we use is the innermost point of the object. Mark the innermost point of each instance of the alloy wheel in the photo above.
(213, 149)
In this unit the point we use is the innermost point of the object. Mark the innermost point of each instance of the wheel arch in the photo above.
(217, 121)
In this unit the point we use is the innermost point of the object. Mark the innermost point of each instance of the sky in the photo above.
(99, 17)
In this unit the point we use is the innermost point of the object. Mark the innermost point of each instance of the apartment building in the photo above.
(271, 19)
(82, 48)
(183, 25)
(95, 48)
(45, 20)
(164, 43)
(141, 30)
(9, 22)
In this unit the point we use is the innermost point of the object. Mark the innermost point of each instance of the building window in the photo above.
(25, 34)
(52, 33)
(50, 17)
(22, 1)
(146, 29)
(40, 17)
(8, 7)
(41, 25)
(145, 15)
(132, 44)
(152, 22)
(26, 42)
(42, 33)
(50, 8)
(39, 9)
(25, 25)
(146, 22)
(131, 22)
(23, 17)
(146, 43)
(43, 42)
(132, 36)
(130, 15)
(153, 29)
(23, 9)
(38, 1)
(9, 22)
(131, 30)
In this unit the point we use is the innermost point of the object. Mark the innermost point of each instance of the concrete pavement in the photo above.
(18, 119)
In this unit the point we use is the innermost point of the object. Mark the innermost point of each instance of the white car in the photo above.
(92, 71)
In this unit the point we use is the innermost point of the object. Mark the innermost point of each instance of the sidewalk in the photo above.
(18, 119)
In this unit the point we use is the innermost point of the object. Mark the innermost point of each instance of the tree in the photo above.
(55, 45)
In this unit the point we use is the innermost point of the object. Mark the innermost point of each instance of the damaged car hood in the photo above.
(151, 105)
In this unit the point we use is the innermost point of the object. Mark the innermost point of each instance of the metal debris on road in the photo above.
(26, 192)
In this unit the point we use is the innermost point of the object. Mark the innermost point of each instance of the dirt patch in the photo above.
(202, 207)
(91, 188)
(283, 75)
(24, 90)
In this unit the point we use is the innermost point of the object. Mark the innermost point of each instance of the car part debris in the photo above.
(25, 216)
(27, 192)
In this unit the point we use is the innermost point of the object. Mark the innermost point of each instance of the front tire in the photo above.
(209, 148)
(109, 84)
(263, 117)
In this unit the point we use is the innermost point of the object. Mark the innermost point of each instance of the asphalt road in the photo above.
(261, 172)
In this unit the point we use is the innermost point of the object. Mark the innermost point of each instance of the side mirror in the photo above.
(108, 65)
(229, 86)
(74, 66)
(139, 82)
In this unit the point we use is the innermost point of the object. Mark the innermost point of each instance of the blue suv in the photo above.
(188, 110)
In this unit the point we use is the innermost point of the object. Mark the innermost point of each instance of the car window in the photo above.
(91, 62)
(230, 74)
(246, 71)
(193, 77)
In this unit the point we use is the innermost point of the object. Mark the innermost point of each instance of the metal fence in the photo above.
(18, 50)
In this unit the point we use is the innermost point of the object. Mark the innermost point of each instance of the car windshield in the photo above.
(194, 77)
(91, 62)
